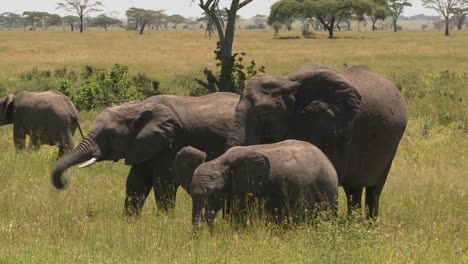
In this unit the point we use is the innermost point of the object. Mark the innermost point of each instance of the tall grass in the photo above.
(424, 205)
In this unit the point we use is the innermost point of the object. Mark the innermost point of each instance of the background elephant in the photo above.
(47, 117)
(356, 117)
(292, 178)
(148, 134)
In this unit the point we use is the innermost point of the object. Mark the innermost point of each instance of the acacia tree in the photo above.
(143, 17)
(10, 19)
(81, 8)
(32, 19)
(396, 8)
(225, 30)
(379, 11)
(72, 21)
(460, 14)
(284, 12)
(176, 19)
(105, 22)
(444, 7)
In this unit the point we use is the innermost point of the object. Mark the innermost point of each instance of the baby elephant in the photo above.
(47, 117)
(292, 179)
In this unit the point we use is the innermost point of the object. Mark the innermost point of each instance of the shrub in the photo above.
(439, 99)
(240, 73)
(93, 87)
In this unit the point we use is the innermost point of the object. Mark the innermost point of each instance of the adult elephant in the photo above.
(47, 117)
(356, 117)
(292, 179)
(148, 134)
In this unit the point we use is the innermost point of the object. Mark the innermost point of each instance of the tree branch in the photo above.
(244, 3)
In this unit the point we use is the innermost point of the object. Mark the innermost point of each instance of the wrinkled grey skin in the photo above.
(356, 117)
(148, 134)
(47, 117)
(291, 178)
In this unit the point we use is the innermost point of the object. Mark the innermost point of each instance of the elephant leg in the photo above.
(61, 151)
(373, 194)
(353, 197)
(35, 142)
(65, 146)
(274, 207)
(165, 190)
(372, 202)
(19, 137)
(139, 182)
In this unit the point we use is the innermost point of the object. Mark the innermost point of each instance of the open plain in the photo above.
(424, 205)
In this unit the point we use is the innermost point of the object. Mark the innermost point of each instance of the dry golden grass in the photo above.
(164, 53)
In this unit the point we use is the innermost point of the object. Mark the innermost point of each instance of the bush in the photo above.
(239, 74)
(93, 87)
(439, 99)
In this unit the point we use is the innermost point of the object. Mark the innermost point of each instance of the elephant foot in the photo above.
(133, 206)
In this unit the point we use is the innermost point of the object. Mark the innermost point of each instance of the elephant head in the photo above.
(236, 175)
(134, 131)
(185, 163)
(314, 104)
(6, 110)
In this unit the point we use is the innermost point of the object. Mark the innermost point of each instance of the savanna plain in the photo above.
(424, 205)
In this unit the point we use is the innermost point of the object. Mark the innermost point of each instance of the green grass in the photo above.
(424, 205)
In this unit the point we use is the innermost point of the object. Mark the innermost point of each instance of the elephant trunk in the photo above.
(246, 128)
(83, 152)
(211, 214)
(197, 213)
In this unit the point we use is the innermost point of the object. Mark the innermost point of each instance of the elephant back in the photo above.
(381, 98)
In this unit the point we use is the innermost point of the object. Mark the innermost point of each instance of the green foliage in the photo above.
(41, 19)
(240, 72)
(104, 21)
(93, 87)
(327, 12)
(438, 99)
(143, 17)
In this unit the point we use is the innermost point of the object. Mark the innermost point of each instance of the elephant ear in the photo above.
(185, 163)
(7, 114)
(249, 171)
(151, 132)
(325, 92)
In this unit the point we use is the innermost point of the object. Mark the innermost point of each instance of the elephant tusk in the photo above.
(88, 163)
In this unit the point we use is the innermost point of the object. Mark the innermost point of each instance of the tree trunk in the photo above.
(143, 25)
(373, 25)
(330, 32)
(81, 23)
(225, 79)
(447, 26)
(394, 25)
(72, 27)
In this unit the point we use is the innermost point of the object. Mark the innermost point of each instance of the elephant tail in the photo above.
(79, 128)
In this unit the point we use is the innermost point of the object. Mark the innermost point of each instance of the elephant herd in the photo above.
(285, 144)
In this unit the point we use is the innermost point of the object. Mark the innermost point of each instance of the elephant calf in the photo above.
(292, 178)
(47, 117)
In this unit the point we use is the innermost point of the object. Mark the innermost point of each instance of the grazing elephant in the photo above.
(148, 134)
(356, 117)
(47, 117)
(291, 178)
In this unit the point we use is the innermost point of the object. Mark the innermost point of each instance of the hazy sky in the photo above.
(182, 7)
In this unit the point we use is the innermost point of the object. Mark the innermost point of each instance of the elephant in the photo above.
(47, 117)
(355, 116)
(148, 134)
(293, 180)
